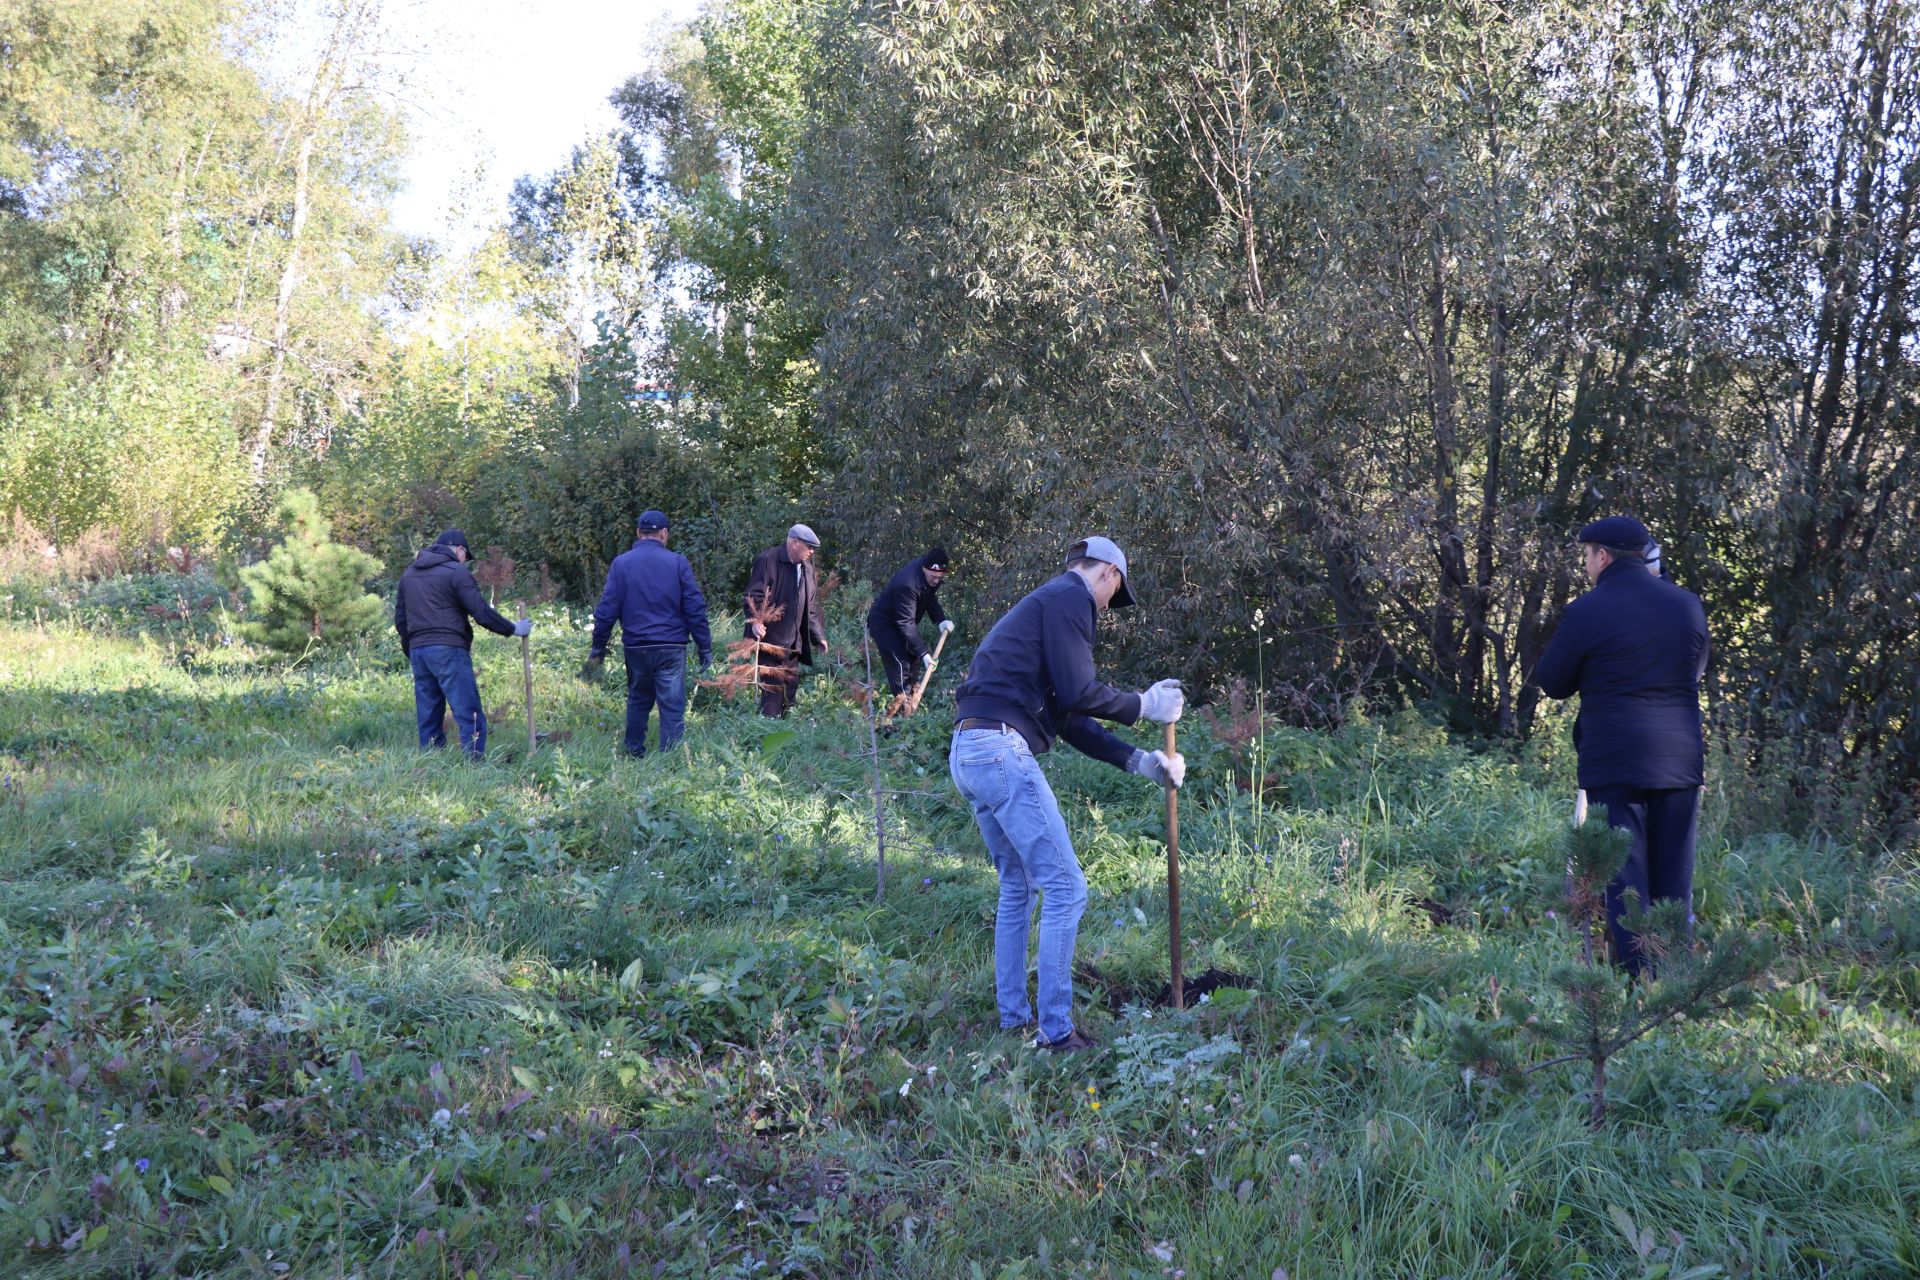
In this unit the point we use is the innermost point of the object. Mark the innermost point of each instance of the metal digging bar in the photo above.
(1173, 881)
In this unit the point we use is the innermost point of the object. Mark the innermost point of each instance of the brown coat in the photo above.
(802, 627)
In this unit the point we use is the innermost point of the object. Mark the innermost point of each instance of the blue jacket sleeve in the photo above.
(1069, 642)
(1558, 673)
(693, 607)
(1094, 739)
(400, 620)
(607, 612)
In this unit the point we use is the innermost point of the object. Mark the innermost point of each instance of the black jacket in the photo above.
(1034, 671)
(437, 593)
(802, 627)
(1634, 648)
(894, 619)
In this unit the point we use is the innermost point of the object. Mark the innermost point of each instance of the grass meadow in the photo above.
(282, 996)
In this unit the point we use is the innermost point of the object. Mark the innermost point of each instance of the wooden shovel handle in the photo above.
(926, 675)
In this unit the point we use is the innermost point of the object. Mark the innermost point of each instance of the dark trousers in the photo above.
(443, 678)
(1659, 866)
(656, 673)
(777, 695)
(897, 666)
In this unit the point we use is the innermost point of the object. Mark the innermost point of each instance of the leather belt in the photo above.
(973, 722)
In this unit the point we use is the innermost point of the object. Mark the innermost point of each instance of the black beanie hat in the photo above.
(936, 558)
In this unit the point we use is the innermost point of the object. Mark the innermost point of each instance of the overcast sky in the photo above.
(513, 85)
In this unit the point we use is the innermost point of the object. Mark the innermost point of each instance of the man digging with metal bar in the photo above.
(1031, 681)
(431, 605)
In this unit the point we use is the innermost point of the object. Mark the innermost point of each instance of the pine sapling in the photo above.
(745, 666)
(309, 590)
(1600, 1011)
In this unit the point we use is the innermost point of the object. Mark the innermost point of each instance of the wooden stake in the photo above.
(1173, 881)
(526, 671)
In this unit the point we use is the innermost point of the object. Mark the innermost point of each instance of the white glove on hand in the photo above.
(1163, 702)
(524, 627)
(1159, 767)
(946, 626)
(926, 660)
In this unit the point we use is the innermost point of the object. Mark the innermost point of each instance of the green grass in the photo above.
(279, 995)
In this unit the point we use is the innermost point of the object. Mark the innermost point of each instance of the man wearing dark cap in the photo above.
(436, 596)
(1032, 680)
(784, 578)
(651, 593)
(893, 621)
(1634, 648)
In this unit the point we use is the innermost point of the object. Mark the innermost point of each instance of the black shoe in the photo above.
(1072, 1042)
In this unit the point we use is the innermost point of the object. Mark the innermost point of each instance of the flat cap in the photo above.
(1617, 531)
(805, 535)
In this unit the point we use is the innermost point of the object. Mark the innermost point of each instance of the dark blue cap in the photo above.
(1623, 532)
(651, 521)
(453, 538)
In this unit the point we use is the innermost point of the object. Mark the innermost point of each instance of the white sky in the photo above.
(510, 85)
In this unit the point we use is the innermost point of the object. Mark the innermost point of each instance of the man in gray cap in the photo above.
(784, 578)
(1031, 681)
(1634, 648)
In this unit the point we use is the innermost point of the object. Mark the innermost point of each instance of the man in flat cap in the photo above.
(436, 596)
(651, 593)
(1634, 648)
(893, 621)
(1031, 681)
(784, 578)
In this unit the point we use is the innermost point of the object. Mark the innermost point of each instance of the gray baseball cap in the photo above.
(1106, 552)
(805, 535)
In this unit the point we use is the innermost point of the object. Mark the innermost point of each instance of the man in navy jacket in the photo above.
(652, 595)
(436, 596)
(894, 619)
(1634, 648)
(1032, 681)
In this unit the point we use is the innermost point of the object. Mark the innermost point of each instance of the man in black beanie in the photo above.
(894, 619)
(1634, 648)
(437, 595)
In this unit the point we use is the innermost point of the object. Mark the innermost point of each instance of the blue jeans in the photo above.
(1027, 839)
(443, 677)
(656, 673)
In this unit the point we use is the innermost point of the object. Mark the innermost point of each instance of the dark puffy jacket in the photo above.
(894, 618)
(652, 595)
(436, 596)
(1034, 671)
(1634, 648)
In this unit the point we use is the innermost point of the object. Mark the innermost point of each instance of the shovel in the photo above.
(920, 690)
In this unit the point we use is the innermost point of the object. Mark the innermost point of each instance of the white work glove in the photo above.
(1163, 702)
(946, 626)
(1159, 767)
(524, 627)
(926, 660)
